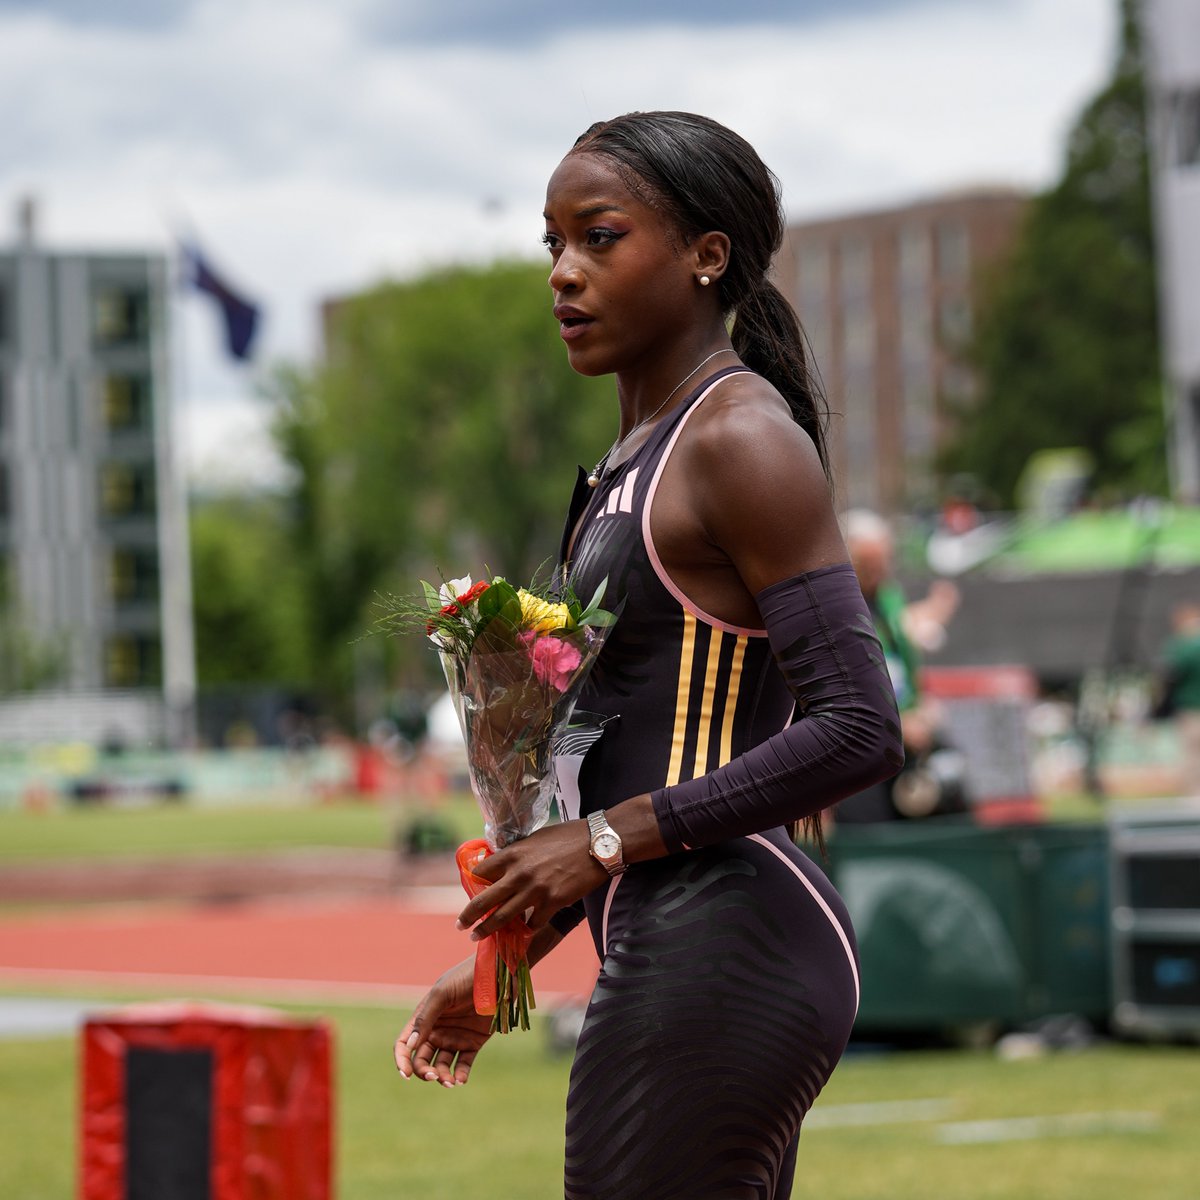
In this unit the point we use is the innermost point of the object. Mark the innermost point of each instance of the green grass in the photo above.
(896, 1162)
(1077, 808)
(99, 832)
(502, 1135)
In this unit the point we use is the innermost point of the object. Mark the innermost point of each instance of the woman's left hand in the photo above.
(534, 878)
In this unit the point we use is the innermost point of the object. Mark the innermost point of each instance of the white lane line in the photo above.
(1017, 1129)
(433, 898)
(880, 1112)
(39, 1016)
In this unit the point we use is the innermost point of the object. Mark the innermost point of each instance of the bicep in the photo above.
(766, 502)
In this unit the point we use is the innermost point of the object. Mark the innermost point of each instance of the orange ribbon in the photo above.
(511, 942)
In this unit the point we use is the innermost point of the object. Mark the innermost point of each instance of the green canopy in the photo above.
(1096, 541)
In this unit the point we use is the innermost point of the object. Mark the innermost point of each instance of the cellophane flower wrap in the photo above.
(515, 660)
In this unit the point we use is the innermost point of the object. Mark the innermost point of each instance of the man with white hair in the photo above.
(872, 551)
(904, 630)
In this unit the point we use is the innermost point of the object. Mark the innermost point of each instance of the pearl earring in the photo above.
(705, 281)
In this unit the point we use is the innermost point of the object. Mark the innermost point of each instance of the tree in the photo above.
(248, 601)
(1066, 348)
(441, 435)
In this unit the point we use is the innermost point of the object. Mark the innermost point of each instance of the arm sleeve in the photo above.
(845, 735)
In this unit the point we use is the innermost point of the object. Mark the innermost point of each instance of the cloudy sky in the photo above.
(318, 145)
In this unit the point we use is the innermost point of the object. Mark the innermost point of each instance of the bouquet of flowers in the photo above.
(515, 659)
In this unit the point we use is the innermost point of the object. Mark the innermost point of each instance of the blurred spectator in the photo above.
(240, 735)
(959, 516)
(409, 715)
(904, 631)
(1181, 689)
(925, 620)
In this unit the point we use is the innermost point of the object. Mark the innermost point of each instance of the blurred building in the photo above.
(1172, 54)
(887, 300)
(92, 520)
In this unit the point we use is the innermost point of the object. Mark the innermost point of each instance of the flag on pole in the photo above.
(239, 315)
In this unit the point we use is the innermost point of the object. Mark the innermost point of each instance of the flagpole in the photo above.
(179, 648)
(240, 318)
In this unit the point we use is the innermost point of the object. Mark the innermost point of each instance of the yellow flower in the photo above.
(542, 616)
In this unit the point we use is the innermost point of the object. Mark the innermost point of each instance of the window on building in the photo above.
(858, 339)
(819, 336)
(125, 402)
(953, 250)
(120, 315)
(915, 252)
(919, 419)
(127, 490)
(813, 296)
(954, 322)
(132, 660)
(916, 332)
(855, 269)
(132, 575)
(860, 482)
(814, 276)
(1183, 129)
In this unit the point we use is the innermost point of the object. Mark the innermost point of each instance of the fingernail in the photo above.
(430, 1076)
(403, 1073)
(476, 936)
(412, 1038)
(460, 925)
(447, 1083)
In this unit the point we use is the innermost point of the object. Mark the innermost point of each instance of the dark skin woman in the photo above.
(738, 525)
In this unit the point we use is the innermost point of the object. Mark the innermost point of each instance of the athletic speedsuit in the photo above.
(729, 975)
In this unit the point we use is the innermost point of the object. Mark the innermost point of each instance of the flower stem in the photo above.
(514, 997)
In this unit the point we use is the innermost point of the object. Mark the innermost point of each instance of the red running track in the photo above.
(345, 949)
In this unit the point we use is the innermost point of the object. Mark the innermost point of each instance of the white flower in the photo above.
(453, 589)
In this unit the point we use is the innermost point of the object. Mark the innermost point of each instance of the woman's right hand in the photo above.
(444, 1034)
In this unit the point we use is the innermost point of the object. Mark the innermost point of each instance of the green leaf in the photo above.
(599, 619)
(497, 597)
(597, 596)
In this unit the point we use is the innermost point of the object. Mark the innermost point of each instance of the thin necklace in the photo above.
(594, 478)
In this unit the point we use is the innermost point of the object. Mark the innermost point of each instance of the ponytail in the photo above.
(767, 337)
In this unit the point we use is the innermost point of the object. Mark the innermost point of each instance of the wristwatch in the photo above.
(606, 844)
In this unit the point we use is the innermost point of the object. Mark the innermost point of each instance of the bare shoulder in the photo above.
(757, 483)
(744, 435)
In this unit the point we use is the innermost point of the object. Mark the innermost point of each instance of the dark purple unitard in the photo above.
(729, 974)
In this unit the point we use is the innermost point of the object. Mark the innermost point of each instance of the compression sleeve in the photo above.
(845, 735)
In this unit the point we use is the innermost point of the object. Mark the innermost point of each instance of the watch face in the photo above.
(606, 845)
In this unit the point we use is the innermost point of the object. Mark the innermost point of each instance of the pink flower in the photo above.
(554, 660)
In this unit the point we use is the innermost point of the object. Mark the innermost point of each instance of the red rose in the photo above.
(472, 593)
(447, 610)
